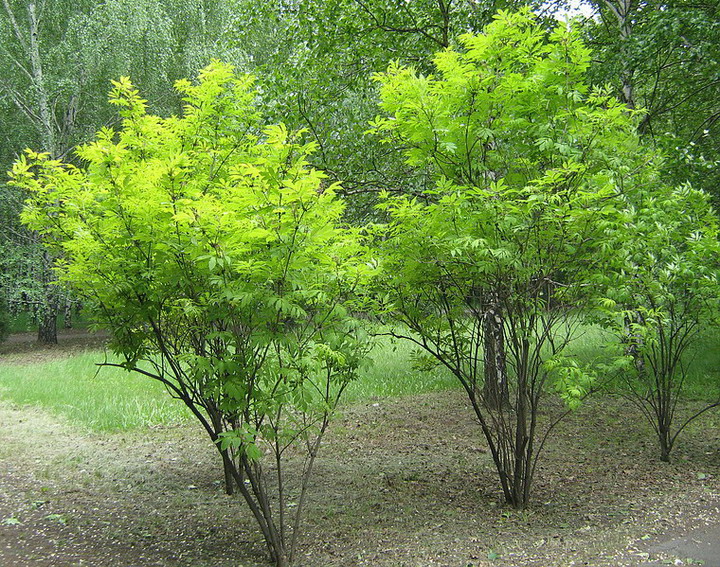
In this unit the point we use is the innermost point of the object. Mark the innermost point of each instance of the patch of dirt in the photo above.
(23, 348)
(401, 482)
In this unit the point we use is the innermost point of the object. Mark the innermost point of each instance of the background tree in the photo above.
(47, 105)
(19, 257)
(529, 169)
(215, 257)
(334, 48)
(664, 57)
(4, 319)
(58, 60)
(157, 42)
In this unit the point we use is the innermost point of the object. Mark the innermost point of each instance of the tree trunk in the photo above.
(495, 387)
(50, 302)
(521, 470)
(665, 444)
(621, 10)
(47, 320)
(228, 470)
(35, 103)
(67, 315)
(46, 126)
(664, 422)
(634, 342)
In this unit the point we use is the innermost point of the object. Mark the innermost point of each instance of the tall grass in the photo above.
(110, 399)
(104, 399)
(22, 322)
(25, 322)
(590, 344)
(703, 362)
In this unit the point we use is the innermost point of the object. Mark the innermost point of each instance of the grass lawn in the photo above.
(101, 399)
(110, 399)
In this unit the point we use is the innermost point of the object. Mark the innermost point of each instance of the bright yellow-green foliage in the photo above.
(542, 190)
(513, 104)
(209, 248)
(215, 256)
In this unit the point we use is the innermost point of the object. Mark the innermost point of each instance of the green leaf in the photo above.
(59, 518)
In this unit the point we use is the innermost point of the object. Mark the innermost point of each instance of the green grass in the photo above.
(590, 344)
(703, 381)
(113, 400)
(22, 322)
(702, 358)
(106, 400)
(110, 399)
(390, 373)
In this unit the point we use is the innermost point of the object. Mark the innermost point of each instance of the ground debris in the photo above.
(419, 492)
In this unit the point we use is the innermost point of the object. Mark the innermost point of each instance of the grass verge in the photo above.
(390, 373)
(110, 399)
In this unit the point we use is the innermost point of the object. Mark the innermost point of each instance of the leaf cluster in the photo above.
(211, 250)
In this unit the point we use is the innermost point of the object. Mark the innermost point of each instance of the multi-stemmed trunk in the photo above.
(510, 437)
(655, 387)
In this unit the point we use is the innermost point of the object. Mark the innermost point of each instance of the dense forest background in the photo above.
(314, 62)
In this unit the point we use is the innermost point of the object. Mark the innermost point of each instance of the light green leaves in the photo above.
(244, 440)
(213, 251)
(126, 96)
(495, 266)
(570, 380)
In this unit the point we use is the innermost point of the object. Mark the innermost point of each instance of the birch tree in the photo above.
(48, 106)
(664, 57)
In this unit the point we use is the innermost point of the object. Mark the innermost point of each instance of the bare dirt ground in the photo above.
(22, 348)
(403, 482)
